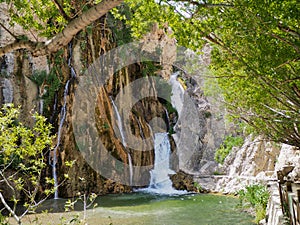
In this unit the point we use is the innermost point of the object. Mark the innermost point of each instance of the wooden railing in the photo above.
(289, 192)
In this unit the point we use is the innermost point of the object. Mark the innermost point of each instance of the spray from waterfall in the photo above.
(120, 126)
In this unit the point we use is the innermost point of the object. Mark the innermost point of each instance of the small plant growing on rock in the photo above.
(198, 187)
(255, 196)
(226, 147)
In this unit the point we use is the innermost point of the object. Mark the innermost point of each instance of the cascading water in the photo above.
(160, 182)
(72, 70)
(41, 106)
(120, 126)
(119, 120)
(130, 169)
(177, 93)
(63, 113)
(54, 109)
(53, 163)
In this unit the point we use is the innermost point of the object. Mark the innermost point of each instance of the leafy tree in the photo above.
(255, 54)
(255, 47)
(22, 160)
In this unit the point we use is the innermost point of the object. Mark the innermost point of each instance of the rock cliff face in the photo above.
(53, 92)
(16, 70)
(253, 163)
(200, 128)
(289, 155)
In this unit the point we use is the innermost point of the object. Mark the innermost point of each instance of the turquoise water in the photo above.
(146, 209)
(149, 209)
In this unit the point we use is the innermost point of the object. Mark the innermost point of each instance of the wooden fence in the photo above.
(289, 192)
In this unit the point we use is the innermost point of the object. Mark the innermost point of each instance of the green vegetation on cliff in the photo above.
(226, 147)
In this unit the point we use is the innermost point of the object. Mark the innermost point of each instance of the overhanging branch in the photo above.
(76, 25)
(204, 4)
(64, 37)
(30, 45)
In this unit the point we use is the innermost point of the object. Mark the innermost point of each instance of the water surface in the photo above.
(149, 209)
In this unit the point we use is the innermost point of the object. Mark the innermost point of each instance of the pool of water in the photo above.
(150, 209)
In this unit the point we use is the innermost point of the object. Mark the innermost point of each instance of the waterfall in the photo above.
(177, 93)
(140, 127)
(167, 119)
(160, 182)
(7, 91)
(72, 70)
(63, 113)
(41, 106)
(119, 120)
(120, 126)
(130, 169)
(54, 109)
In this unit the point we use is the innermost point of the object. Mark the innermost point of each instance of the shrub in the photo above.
(255, 196)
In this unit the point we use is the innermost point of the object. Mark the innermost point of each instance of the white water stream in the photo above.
(63, 113)
(53, 159)
(119, 121)
(120, 126)
(160, 182)
(177, 93)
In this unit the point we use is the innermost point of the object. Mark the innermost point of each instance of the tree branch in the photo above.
(205, 5)
(16, 45)
(296, 47)
(76, 25)
(288, 30)
(9, 209)
(61, 10)
(64, 37)
(7, 30)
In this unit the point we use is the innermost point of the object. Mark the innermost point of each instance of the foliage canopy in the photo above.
(255, 48)
(255, 54)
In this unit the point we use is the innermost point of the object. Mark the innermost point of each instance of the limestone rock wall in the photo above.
(253, 163)
(139, 123)
(16, 69)
(201, 126)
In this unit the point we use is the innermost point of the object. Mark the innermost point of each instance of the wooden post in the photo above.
(280, 181)
(289, 186)
(280, 177)
(298, 206)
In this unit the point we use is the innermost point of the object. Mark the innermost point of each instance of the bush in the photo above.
(255, 196)
(23, 152)
(226, 147)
